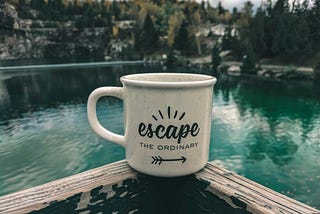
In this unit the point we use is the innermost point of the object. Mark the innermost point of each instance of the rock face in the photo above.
(8, 16)
(27, 39)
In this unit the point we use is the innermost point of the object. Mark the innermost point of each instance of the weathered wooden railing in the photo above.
(116, 188)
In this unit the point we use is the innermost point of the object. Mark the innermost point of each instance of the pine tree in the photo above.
(257, 33)
(215, 57)
(148, 36)
(249, 62)
(115, 9)
(281, 7)
(227, 39)
(315, 22)
(221, 10)
(181, 40)
(37, 4)
(248, 9)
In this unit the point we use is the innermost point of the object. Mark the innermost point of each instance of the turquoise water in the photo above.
(267, 131)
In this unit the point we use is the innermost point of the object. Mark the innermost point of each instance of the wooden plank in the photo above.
(41, 196)
(239, 191)
(118, 188)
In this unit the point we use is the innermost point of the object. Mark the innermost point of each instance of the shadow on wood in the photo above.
(146, 195)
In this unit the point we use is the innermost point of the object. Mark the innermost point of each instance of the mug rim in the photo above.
(186, 80)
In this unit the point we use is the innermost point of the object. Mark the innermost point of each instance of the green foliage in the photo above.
(223, 68)
(38, 4)
(232, 42)
(227, 39)
(115, 8)
(215, 57)
(147, 38)
(221, 10)
(92, 17)
(87, 14)
(171, 60)
(257, 35)
(249, 62)
(289, 34)
(278, 30)
(183, 41)
(315, 22)
(162, 18)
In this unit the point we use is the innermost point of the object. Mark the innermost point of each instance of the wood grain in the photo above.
(118, 188)
(238, 190)
(41, 196)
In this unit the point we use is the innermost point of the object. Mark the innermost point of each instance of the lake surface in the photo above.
(267, 131)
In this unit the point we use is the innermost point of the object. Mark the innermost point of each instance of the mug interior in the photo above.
(168, 79)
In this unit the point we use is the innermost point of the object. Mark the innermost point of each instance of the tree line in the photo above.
(278, 30)
(282, 31)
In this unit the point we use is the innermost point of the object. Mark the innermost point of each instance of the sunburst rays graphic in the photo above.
(169, 114)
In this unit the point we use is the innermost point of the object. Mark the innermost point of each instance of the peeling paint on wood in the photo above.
(116, 188)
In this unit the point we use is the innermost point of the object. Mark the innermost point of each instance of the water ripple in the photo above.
(53, 143)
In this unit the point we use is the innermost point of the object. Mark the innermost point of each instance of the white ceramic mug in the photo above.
(167, 121)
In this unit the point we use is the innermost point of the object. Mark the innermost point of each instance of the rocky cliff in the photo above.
(32, 38)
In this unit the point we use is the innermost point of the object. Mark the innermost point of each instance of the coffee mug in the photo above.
(167, 121)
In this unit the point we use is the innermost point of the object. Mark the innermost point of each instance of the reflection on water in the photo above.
(266, 131)
(31, 90)
(270, 133)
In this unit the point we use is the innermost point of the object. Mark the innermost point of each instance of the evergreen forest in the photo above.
(279, 31)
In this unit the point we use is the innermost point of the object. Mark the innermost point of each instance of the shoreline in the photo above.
(265, 71)
(68, 65)
(230, 68)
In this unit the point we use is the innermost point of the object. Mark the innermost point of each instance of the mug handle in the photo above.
(92, 114)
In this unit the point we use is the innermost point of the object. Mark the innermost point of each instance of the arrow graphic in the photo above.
(158, 159)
